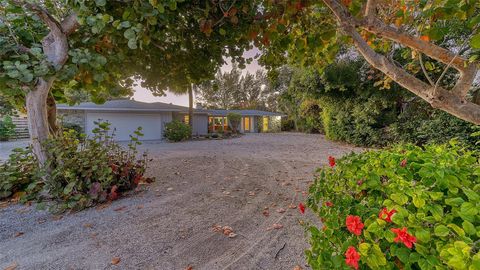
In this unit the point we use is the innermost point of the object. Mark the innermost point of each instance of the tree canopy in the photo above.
(434, 36)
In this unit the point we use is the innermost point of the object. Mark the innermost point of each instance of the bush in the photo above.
(67, 126)
(234, 121)
(404, 208)
(177, 131)
(20, 175)
(79, 173)
(7, 128)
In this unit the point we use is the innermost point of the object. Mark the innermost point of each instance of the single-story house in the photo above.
(127, 115)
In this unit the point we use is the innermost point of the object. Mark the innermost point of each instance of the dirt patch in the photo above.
(246, 183)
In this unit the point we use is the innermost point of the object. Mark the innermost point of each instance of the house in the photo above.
(127, 115)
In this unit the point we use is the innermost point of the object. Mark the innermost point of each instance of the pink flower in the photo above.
(352, 257)
(403, 163)
(331, 161)
(354, 224)
(403, 236)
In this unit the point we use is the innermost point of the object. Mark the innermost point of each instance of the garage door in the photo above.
(126, 123)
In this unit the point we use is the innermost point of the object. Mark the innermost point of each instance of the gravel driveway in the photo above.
(198, 184)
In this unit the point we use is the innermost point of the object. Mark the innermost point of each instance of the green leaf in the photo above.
(132, 44)
(418, 202)
(399, 198)
(475, 41)
(423, 235)
(100, 3)
(129, 34)
(469, 227)
(441, 230)
(222, 32)
(468, 211)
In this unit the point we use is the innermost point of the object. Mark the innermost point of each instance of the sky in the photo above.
(142, 94)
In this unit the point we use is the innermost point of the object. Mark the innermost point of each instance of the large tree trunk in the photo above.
(190, 107)
(55, 48)
(38, 118)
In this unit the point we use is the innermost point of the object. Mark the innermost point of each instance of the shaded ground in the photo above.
(169, 226)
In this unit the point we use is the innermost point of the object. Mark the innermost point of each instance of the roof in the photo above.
(241, 112)
(124, 105)
(129, 105)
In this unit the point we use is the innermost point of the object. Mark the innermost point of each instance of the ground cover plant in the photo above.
(81, 171)
(404, 208)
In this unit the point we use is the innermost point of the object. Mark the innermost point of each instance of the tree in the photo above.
(232, 90)
(50, 49)
(444, 32)
(234, 119)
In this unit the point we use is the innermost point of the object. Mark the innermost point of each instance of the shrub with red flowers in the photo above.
(384, 212)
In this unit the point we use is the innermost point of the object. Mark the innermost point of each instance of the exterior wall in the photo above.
(200, 124)
(76, 117)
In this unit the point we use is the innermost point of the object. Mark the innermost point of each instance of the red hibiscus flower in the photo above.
(331, 161)
(403, 163)
(403, 236)
(352, 257)
(386, 215)
(301, 207)
(328, 203)
(354, 224)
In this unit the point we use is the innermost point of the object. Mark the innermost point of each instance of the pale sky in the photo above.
(142, 94)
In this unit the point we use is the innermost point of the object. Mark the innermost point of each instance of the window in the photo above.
(246, 124)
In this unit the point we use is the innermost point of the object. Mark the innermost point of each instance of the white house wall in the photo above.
(126, 123)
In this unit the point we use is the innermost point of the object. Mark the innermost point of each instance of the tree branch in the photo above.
(55, 44)
(371, 9)
(424, 70)
(443, 99)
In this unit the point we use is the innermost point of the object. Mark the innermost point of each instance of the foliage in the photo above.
(68, 126)
(431, 192)
(232, 90)
(311, 34)
(92, 170)
(20, 175)
(234, 120)
(7, 128)
(177, 131)
(347, 102)
(81, 172)
(117, 41)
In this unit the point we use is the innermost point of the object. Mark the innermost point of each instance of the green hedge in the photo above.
(412, 208)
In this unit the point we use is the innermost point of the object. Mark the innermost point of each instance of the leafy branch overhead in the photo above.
(313, 34)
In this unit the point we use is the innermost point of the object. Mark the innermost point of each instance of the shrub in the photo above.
(79, 173)
(67, 126)
(234, 121)
(404, 208)
(7, 128)
(20, 175)
(177, 131)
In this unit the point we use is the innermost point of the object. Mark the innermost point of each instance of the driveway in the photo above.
(7, 147)
(246, 183)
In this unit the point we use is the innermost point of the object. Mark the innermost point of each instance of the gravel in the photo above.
(169, 224)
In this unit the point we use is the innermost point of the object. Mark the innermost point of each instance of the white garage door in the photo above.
(126, 123)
